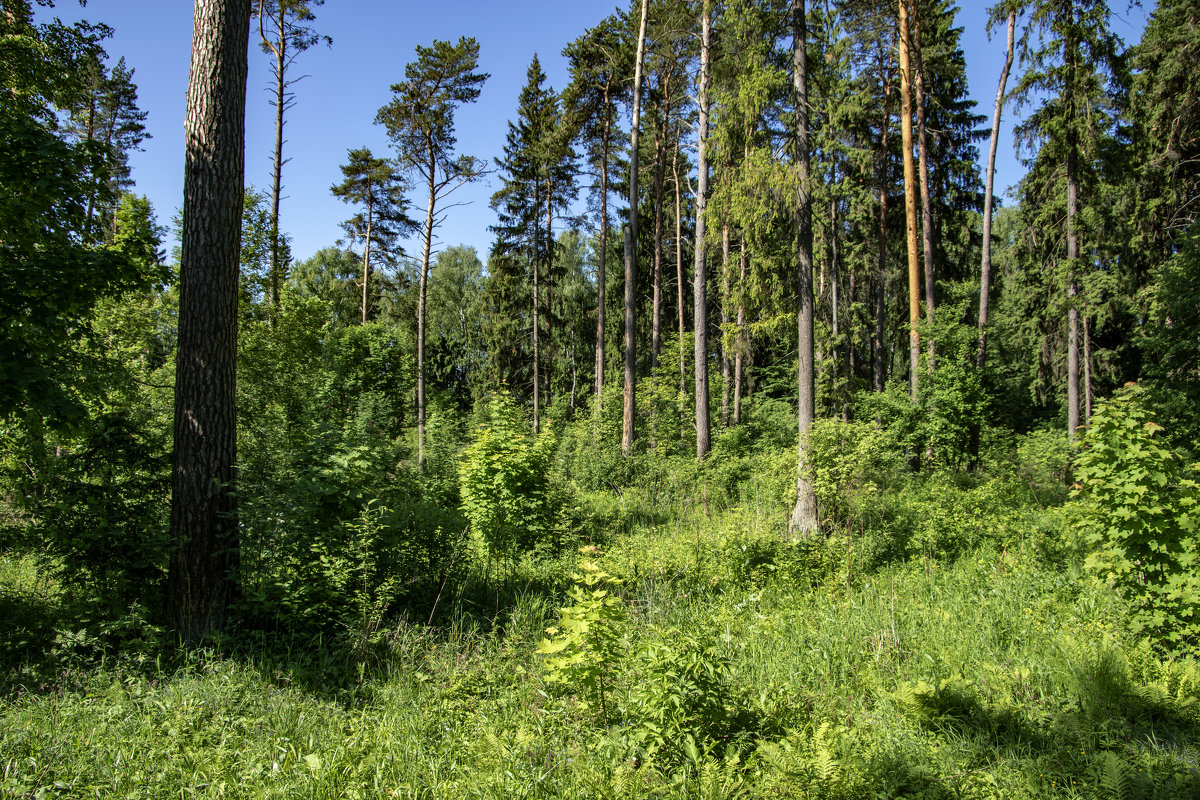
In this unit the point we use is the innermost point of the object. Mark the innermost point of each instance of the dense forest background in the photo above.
(753, 334)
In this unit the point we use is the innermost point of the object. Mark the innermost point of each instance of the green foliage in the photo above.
(504, 479)
(1137, 509)
(586, 647)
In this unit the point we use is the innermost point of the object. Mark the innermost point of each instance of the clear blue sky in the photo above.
(346, 85)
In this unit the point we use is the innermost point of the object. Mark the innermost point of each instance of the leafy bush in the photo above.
(1137, 509)
(584, 651)
(504, 479)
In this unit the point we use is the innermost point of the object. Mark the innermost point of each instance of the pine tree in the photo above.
(420, 123)
(284, 31)
(374, 184)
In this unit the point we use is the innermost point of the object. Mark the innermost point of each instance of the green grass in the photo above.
(998, 675)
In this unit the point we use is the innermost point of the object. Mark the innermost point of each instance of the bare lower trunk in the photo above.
(923, 167)
(985, 270)
(835, 300)
(1087, 372)
(1072, 286)
(803, 521)
(725, 361)
(700, 277)
(600, 277)
(422, 294)
(367, 256)
(631, 246)
(878, 344)
(202, 581)
(739, 351)
(679, 292)
(910, 208)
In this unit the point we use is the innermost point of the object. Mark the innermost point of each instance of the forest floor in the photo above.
(737, 667)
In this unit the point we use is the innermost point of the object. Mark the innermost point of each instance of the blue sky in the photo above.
(347, 83)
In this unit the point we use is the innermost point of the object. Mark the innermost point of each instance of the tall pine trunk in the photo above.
(631, 247)
(877, 341)
(725, 300)
(600, 276)
(739, 351)
(202, 580)
(803, 521)
(923, 171)
(700, 276)
(422, 294)
(679, 280)
(985, 269)
(910, 206)
(279, 47)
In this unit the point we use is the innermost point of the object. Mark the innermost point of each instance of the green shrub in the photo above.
(1136, 507)
(504, 479)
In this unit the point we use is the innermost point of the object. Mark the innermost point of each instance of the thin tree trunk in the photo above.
(202, 580)
(910, 208)
(803, 521)
(600, 278)
(1072, 256)
(631, 246)
(537, 323)
(835, 300)
(700, 277)
(679, 291)
(878, 344)
(422, 294)
(923, 168)
(280, 50)
(1087, 372)
(739, 351)
(725, 362)
(985, 269)
(367, 255)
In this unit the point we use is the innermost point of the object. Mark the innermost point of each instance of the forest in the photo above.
(767, 453)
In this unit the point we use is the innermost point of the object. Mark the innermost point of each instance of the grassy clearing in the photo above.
(997, 675)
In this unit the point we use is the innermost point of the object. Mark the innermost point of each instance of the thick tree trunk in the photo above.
(700, 276)
(202, 580)
(923, 169)
(803, 521)
(631, 247)
(910, 207)
(537, 322)
(1087, 372)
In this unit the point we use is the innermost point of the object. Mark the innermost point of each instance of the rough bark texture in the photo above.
(700, 276)
(203, 569)
(631, 246)
(877, 343)
(1072, 255)
(422, 294)
(923, 171)
(679, 291)
(985, 269)
(600, 277)
(725, 300)
(803, 521)
(910, 207)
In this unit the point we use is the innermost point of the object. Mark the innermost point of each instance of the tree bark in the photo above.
(985, 269)
(600, 276)
(877, 343)
(1072, 256)
(923, 169)
(366, 281)
(631, 247)
(422, 294)
(202, 579)
(700, 276)
(739, 351)
(725, 300)
(803, 521)
(910, 207)
(280, 51)
(679, 290)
